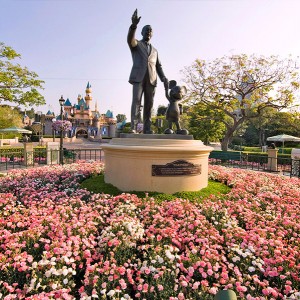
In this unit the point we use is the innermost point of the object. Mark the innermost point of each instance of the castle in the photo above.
(85, 121)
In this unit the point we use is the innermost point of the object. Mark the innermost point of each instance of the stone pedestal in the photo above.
(52, 153)
(272, 159)
(146, 163)
(28, 154)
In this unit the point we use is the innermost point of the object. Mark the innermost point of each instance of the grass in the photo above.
(96, 184)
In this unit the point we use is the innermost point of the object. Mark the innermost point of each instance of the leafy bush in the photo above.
(252, 149)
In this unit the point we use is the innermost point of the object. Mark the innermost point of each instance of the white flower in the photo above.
(152, 269)
(160, 259)
(48, 273)
(111, 293)
(65, 272)
(54, 286)
(235, 259)
(65, 281)
(169, 255)
(251, 269)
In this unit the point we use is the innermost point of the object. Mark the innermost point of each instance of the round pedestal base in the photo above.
(156, 165)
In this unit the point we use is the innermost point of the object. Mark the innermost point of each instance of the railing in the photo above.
(285, 166)
(38, 157)
(17, 160)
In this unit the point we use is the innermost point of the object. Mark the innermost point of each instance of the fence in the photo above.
(285, 166)
(38, 157)
(20, 159)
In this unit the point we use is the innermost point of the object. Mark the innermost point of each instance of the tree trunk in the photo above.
(227, 137)
(224, 143)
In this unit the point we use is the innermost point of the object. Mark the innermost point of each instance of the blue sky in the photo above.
(71, 42)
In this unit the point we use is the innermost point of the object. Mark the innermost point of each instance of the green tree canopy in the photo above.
(18, 84)
(161, 110)
(121, 117)
(240, 87)
(9, 117)
(204, 123)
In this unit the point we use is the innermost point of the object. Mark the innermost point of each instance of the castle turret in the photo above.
(96, 107)
(68, 107)
(88, 97)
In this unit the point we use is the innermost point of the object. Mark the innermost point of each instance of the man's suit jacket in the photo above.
(142, 61)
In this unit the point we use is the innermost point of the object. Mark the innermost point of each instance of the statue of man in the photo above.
(143, 76)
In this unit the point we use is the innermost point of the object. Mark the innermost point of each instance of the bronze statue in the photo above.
(143, 76)
(174, 109)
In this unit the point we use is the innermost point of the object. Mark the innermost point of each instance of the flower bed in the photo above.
(58, 241)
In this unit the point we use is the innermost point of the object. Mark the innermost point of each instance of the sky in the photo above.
(69, 43)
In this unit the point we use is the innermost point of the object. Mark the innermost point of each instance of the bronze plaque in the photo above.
(176, 168)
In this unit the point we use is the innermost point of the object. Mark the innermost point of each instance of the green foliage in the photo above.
(120, 118)
(96, 184)
(9, 117)
(241, 87)
(159, 124)
(284, 122)
(205, 124)
(284, 150)
(262, 157)
(17, 83)
(161, 110)
(5, 151)
(252, 149)
(271, 123)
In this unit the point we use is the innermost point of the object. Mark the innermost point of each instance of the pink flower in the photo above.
(123, 284)
(145, 288)
(181, 296)
(184, 283)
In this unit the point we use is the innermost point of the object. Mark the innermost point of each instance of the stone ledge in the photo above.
(156, 136)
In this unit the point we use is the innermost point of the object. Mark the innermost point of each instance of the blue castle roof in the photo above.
(68, 103)
(82, 103)
(109, 114)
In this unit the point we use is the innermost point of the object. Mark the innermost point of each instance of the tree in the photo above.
(120, 118)
(59, 125)
(204, 123)
(284, 123)
(18, 84)
(9, 117)
(161, 110)
(272, 123)
(241, 87)
(257, 128)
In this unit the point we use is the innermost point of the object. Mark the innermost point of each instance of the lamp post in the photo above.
(241, 141)
(53, 130)
(61, 150)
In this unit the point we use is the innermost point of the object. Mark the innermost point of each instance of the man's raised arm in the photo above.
(132, 42)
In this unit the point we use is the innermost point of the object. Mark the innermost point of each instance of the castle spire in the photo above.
(88, 97)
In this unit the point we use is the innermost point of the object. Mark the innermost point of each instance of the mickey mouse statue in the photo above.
(174, 109)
